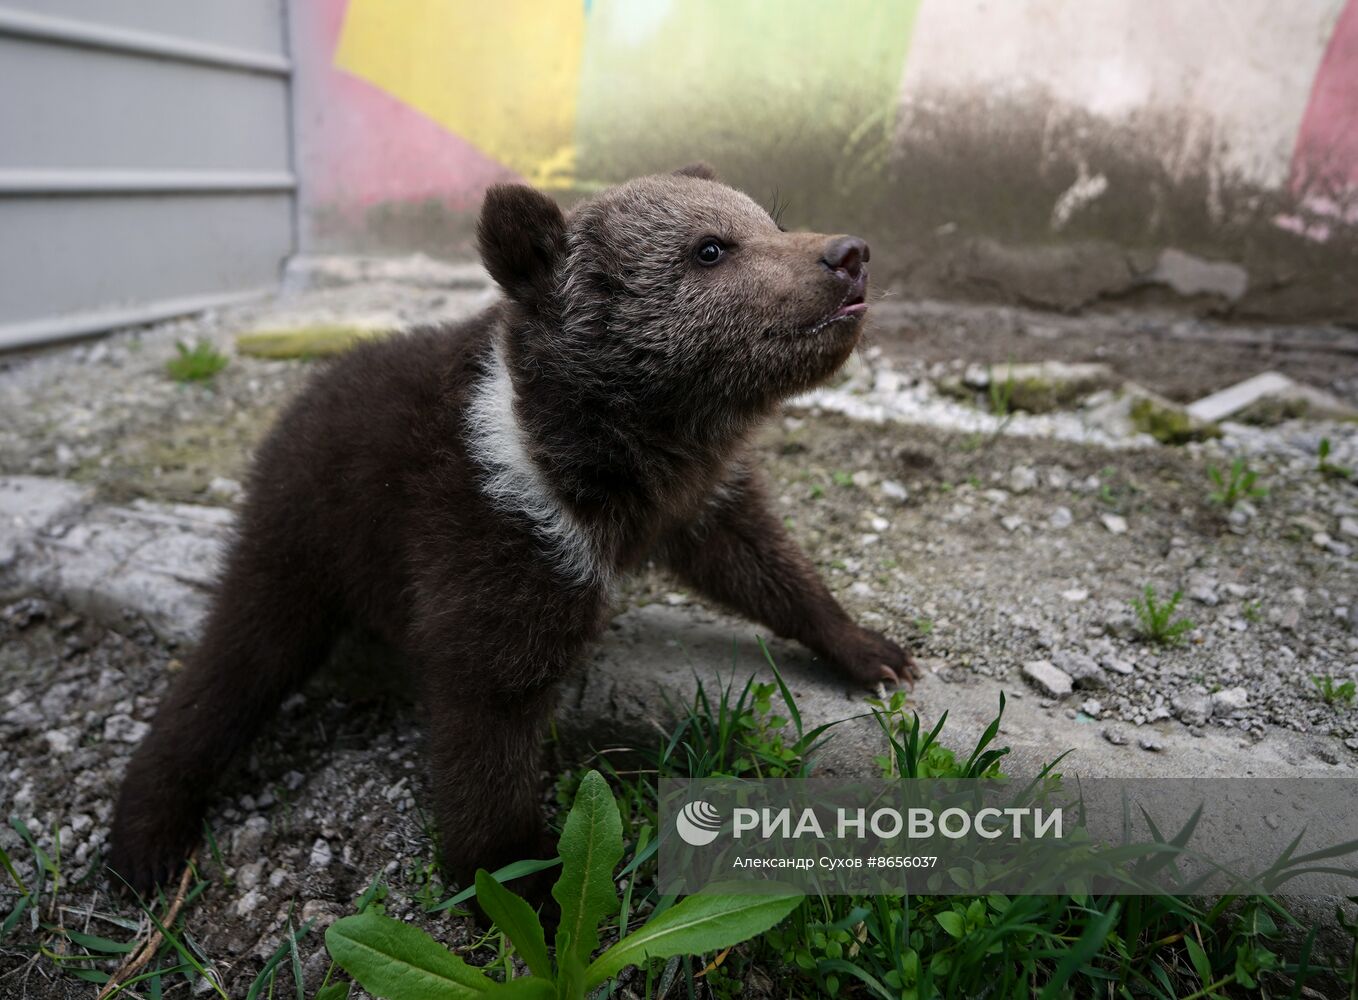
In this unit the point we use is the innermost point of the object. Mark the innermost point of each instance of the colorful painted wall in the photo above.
(1042, 150)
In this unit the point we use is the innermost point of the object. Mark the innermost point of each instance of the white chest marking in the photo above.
(514, 483)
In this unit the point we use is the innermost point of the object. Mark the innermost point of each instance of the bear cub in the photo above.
(471, 493)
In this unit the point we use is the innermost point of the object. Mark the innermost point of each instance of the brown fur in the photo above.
(638, 373)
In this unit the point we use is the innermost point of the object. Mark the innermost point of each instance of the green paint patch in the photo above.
(321, 340)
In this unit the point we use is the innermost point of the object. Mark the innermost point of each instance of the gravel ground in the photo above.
(986, 551)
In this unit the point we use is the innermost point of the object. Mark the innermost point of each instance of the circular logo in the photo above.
(698, 823)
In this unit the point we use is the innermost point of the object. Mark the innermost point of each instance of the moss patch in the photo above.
(321, 340)
(1169, 424)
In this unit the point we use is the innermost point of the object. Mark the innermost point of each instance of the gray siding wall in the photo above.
(145, 163)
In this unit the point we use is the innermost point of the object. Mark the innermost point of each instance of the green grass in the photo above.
(1160, 945)
(1237, 483)
(1327, 468)
(1335, 692)
(198, 363)
(1156, 619)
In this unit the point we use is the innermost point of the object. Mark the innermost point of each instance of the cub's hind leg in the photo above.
(270, 627)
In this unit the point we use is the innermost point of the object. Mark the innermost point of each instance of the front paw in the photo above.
(870, 658)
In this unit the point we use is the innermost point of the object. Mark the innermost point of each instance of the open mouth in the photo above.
(855, 303)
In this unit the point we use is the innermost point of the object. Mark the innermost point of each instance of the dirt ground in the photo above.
(985, 552)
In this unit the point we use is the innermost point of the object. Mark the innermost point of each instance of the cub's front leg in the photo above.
(491, 646)
(739, 554)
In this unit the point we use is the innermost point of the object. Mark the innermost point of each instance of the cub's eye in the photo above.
(710, 251)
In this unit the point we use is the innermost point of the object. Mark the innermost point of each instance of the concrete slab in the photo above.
(655, 656)
(28, 506)
(159, 561)
(1310, 401)
(155, 560)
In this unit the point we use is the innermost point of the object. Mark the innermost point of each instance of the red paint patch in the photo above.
(362, 147)
(1325, 159)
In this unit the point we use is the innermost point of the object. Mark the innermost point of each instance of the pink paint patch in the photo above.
(362, 147)
(1325, 158)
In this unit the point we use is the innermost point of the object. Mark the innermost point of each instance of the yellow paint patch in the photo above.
(503, 76)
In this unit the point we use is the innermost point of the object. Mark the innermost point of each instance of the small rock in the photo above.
(248, 840)
(1192, 709)
(23, 714)
(1204, 594)
(1285, 618)
(1092, 707)
(124, 729)
(1022, 478)
(1075, 595)
(1151, 742)
(1230, 700)
(1349, 526)
(1048, 678)
(1117, 665)
(321, 855)
(1115, 736)
(248, 903)
(1011, 522)
(1084, 672)
(894, 491)
(1115, 523)
(1273, 821)
(62, 741)
(248, 876)
(1061, 518)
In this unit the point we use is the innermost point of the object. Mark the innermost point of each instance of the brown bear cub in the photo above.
(471, 494)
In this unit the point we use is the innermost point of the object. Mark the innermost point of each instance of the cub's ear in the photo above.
(521, 236)
(703, 171)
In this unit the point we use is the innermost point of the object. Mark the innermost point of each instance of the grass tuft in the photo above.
(1157, 621)
(1236, 484)
(1334, 691)
(198, 363)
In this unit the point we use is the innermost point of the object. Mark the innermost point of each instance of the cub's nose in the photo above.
(847, 254)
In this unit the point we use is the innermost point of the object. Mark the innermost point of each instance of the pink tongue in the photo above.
(853, 310)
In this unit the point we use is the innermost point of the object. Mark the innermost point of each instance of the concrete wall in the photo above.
(1051, 151)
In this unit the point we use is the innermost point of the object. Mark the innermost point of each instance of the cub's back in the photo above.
(350, 463)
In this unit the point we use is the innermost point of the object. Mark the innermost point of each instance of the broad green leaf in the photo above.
(516, 918)
(952, 922)
(590, 848)
(399, 962)
(334, 991)
(570, 978)
(695, 925)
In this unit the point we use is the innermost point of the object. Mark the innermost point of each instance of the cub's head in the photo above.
(679, 287)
